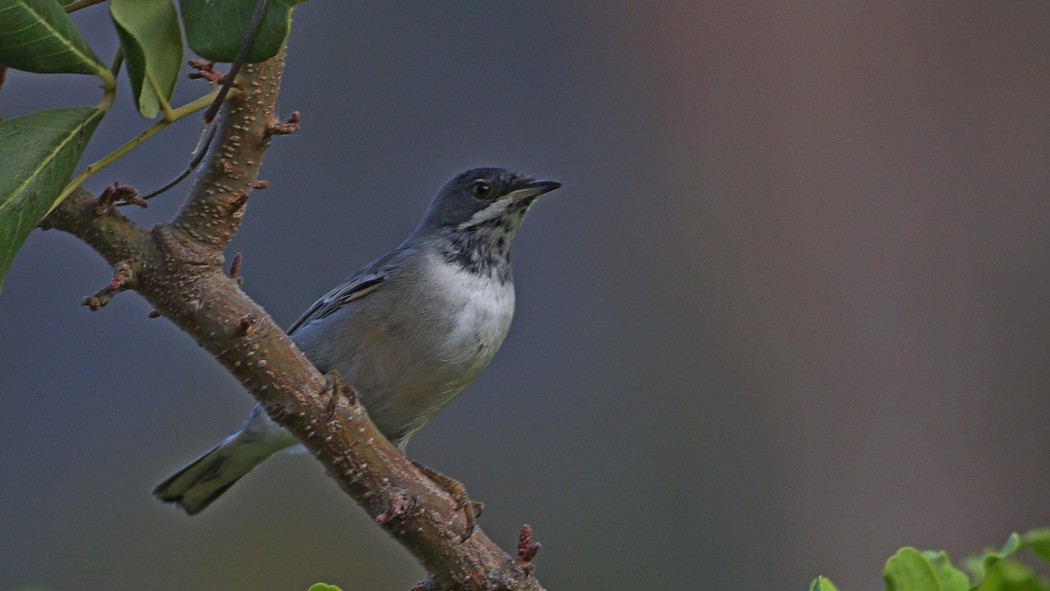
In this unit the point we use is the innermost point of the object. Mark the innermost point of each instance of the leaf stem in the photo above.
(109, 81)
(169, 113)
(118, 60)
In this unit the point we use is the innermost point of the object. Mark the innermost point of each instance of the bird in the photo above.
(409, 331)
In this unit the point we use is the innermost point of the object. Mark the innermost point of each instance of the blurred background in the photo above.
(790, 312)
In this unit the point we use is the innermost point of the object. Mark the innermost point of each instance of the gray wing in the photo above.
(357, 286)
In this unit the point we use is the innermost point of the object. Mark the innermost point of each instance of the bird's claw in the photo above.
(471, 509)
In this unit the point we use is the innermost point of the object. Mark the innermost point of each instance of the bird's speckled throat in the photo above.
(484, 247)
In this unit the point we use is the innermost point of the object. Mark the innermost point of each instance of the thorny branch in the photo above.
(178, 268)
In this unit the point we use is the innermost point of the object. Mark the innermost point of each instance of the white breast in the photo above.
(481, 309)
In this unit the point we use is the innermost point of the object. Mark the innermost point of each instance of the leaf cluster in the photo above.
(39, 151)
(996, 570)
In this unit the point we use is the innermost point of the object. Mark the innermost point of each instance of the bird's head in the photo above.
(485, 198)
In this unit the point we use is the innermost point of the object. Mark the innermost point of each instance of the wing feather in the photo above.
(357, 286)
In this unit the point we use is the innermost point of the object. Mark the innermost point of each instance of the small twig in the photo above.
(261, 185)
(122, 279)
(118, 195)
(201, 152)
(275, 127)
(205, 70)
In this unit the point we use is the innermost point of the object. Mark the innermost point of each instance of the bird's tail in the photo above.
(198, 485)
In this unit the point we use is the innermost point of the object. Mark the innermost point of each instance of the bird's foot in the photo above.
(471, 509)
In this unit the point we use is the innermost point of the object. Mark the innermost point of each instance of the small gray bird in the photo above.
(410, 331)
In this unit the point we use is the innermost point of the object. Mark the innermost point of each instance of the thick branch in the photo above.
(213, 212)
(177, 267)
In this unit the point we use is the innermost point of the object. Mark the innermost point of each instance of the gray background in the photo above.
(790, 312)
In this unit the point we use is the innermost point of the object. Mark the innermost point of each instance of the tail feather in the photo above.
(198, 485)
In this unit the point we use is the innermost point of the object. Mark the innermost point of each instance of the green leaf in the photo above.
(996, 571)
(38, 153)
(909, 570)
(822, 584)
(152, 41)
(1010, 575)
(215, 29)
(991, 557)
(322, 587)
(951, 578)
(1039, 541)
(38, 36)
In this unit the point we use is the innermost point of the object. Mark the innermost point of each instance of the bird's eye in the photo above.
(481, 189)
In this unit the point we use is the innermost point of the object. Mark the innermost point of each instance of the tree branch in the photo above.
(177, 267)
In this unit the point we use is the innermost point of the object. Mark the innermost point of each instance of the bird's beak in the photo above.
(533, 189)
